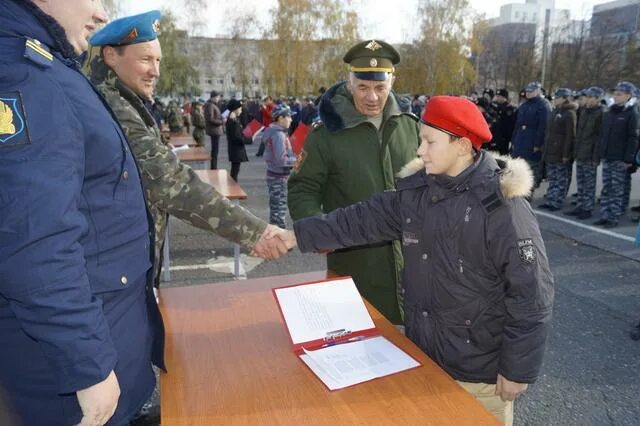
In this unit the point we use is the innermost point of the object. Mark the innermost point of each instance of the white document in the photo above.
(328, 308)
(350, 363)
(177, 149)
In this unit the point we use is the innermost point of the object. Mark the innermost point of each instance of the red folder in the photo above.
(251, 128)
(298, 137)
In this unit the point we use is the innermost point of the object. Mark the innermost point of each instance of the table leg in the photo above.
(166, 261)
(236, 260)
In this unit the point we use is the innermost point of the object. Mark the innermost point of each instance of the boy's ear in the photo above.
(465, 146)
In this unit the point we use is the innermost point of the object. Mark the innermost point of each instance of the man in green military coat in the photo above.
(125, 73)
(362, 143)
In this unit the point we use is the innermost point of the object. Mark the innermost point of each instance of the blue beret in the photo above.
(129, 30)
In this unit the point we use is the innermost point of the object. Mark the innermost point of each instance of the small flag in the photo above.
(298, 137)
(252, 128)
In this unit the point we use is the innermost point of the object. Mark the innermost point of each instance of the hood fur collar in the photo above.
(516, 177)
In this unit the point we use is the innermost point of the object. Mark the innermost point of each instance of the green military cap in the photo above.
(372, 60)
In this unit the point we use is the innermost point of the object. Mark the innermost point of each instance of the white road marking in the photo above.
(589, 227)
(223, 264)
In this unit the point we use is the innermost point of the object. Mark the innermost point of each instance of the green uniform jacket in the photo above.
(170, 186)
(346, 160)
(199, 125)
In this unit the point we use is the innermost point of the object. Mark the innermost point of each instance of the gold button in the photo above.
(124, 280)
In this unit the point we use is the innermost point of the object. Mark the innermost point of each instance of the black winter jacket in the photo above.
(561, 136)
(588, 134)
(477, 286)
(235, 141)
(619, 139)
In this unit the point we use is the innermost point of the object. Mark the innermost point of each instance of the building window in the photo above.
(524, 16)
(221, 81)
(517, 15)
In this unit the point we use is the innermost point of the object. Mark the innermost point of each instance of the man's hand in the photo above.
(628, 165)
(99, 402)
(508, 390)
(274, 243)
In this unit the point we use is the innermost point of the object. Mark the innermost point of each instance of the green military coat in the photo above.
(346, 160)
(170, 186)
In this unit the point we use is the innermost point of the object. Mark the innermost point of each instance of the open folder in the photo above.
(334, 335)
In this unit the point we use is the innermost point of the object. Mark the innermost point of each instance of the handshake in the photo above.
(274, 243)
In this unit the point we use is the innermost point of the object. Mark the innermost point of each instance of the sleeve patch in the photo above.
(527, 251)
(13, 123)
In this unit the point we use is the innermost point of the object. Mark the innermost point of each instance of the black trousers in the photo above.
(215, 146)
(235, 169)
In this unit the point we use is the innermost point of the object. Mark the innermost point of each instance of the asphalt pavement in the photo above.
(591, 371)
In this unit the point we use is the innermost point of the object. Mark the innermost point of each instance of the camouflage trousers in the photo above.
(586, 173)
(558, 178)
(627, 190)
(536, 169)
(277, 200)
(613, 188)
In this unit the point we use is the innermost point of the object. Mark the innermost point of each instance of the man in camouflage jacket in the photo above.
(170, 186)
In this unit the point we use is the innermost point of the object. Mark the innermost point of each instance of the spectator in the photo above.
(213, 118)
(280, 159)
(235, 139)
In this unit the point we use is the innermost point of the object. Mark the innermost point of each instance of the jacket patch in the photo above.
(527, 251)
(410, 238)
(13, 124)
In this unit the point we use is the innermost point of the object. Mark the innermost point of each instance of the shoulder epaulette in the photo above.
(416, 180)
(491, 202)
(37, 52)
(317, 124)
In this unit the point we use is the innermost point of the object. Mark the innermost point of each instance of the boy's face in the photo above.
(437, 150)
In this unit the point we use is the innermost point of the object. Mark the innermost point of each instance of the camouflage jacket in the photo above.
(170, 186)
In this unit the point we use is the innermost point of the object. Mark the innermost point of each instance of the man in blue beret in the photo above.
(125, 73)
(80, 325)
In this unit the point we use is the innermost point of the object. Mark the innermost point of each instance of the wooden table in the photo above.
(229, 188)
(182, 140)
(230, 361)
(197, 157)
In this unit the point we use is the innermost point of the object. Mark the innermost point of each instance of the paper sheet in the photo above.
(312, 311)
(177, 149)
(347, 364)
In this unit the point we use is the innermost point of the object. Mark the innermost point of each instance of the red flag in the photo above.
(251, 128)
(298, 137)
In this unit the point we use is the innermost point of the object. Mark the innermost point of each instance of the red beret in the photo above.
(457, 116)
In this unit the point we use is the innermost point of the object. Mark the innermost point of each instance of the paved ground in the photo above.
(591, 374)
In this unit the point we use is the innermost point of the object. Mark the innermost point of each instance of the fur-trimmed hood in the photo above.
(516, 177)
(337, 111)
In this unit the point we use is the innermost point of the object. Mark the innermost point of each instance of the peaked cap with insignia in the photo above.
(129, 30)
(372, 60)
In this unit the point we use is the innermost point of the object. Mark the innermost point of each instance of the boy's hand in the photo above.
(508, 390)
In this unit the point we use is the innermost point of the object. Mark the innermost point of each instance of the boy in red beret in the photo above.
(477, 286)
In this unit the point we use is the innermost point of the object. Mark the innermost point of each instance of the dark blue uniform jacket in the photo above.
(529, 132)
(75, 300)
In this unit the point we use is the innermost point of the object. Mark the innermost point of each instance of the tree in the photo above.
(309, 37)
(438, 61)
(178, 76)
